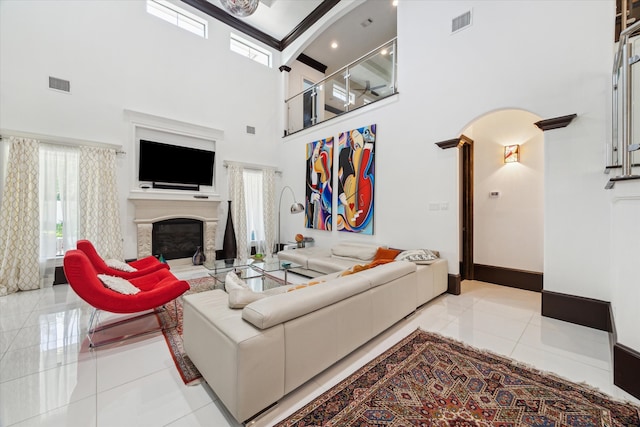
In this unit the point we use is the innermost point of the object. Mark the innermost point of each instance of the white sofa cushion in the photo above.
(277, 309)
(363, 252)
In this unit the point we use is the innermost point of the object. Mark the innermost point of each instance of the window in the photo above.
(246, 48)
(59, 188)
(178, 17)
(341, 93)
(253, 196)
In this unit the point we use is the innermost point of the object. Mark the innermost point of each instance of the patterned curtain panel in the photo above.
(19, 219)
(238, 209)
(99, 210)
(269, 208)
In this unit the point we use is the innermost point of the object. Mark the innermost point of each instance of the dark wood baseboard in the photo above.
(597, 314)
(521, 279)
(626, 369)
(580, 310)
(454, 284)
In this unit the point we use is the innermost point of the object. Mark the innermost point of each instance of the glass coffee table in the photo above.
(260, 275)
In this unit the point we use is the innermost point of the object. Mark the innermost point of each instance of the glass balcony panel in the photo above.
(362, 82)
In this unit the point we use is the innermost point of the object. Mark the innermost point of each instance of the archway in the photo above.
(503, 200)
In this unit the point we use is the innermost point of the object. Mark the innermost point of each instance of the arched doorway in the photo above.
(502, 204)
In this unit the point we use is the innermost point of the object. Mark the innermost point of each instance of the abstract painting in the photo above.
(356, 181)
(319, 193)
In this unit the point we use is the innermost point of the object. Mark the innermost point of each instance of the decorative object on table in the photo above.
(428, 379)
(199, 257)
(161, 259)
(240, 8)
(356, 178)
(300, 240)
(295, 208)
(319, 194)
(258, 257)
(229, 245)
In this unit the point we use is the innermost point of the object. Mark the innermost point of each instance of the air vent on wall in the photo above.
(251, 130)
(59, 84)
(460, 22)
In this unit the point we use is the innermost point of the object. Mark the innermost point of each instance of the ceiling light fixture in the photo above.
(334, 45)
(394, 3)
(240, 8)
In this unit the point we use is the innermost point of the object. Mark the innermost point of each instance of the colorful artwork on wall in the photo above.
(356, 175)
(319, 193)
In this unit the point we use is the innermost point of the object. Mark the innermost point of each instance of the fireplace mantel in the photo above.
(149, 210)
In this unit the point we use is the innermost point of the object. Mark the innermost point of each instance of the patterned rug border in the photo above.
(579, 390)
(173, 337)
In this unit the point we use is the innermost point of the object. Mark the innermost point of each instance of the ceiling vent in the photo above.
(366, 22)
(460, 22)
(59, 84)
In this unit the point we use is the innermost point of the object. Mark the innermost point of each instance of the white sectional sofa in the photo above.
(252, 357)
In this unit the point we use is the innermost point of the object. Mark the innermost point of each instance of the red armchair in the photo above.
(157, 289)
(144, 265)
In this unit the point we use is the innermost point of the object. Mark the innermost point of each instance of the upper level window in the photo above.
(250, 50)
(178, 17)
(341, 93)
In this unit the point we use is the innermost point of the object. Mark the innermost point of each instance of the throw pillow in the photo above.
(418, 256)
(384, 254)
(118, 284)
(232, 281)
(116, 264)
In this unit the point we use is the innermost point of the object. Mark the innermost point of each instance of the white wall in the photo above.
(625, 229)
(119, 57)
(515, 55)
(508, 229)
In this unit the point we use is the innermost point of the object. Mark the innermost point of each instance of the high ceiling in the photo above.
(278, 22)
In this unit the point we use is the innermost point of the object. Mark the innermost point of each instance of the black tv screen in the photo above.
(175, 164)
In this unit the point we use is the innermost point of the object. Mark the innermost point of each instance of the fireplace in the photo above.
(176, 238)
(182, 215)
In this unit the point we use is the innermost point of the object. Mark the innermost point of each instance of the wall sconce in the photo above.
(511, 153)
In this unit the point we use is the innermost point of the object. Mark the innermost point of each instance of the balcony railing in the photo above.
(365, 81)
(622, 154)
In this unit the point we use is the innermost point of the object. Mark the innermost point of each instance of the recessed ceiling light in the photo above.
(394, 3)
(334, 45)
(384, 51)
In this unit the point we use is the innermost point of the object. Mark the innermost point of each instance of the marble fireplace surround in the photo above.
(151, 210)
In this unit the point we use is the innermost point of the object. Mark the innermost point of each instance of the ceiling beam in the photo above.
(219, 14)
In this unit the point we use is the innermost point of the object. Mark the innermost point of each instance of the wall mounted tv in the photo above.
(175, 167)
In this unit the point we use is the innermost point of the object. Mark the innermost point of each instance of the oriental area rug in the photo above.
(188, 371)
(430, 380)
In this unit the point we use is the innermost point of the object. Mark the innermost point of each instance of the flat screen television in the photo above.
(172, 164)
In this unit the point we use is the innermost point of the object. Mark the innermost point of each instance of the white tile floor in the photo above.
(49, 377)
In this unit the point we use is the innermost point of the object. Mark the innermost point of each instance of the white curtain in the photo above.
(99, 207)
(19, 219)
(269, 208)
(255, 209)
(58, 204)
(238, 210)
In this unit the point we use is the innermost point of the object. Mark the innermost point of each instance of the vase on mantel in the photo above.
(229, 245)
(199, 257)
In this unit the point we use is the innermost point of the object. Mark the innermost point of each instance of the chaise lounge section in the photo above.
(252, 357)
